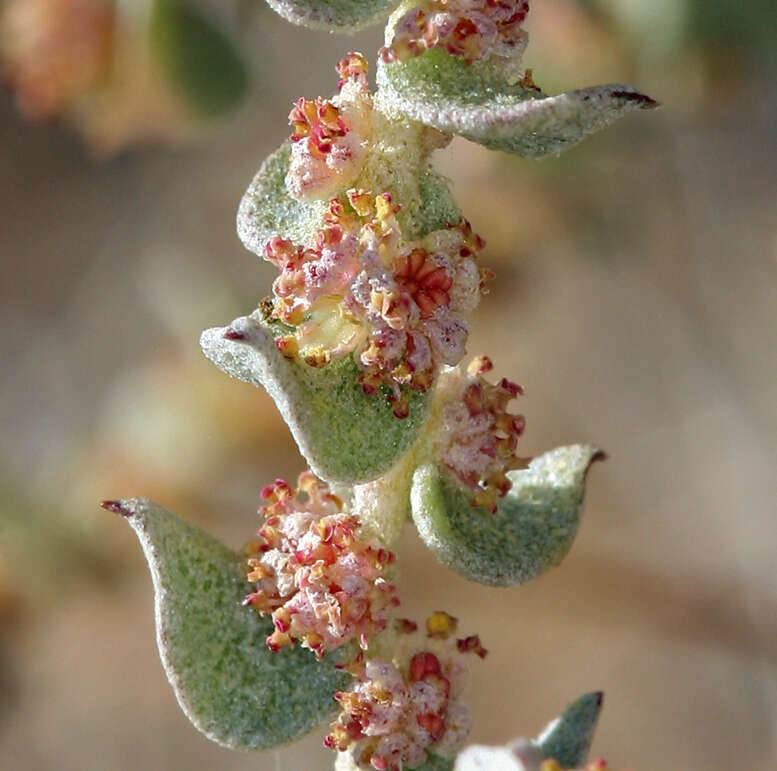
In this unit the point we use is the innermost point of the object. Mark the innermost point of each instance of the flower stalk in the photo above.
(362, 343)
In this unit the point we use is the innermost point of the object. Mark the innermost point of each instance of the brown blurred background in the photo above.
(636, 301)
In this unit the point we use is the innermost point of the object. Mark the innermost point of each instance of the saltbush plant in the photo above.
(362, 345)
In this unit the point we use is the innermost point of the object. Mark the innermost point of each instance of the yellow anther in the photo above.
(441, 624)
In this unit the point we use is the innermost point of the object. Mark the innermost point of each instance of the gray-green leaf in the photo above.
(475, 101)
(568, 738)
(197, 57)
(230, 685)
(532, 530)
(267, 209)
(333, 15)
(345, 435)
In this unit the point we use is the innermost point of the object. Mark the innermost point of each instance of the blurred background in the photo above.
(636, 301)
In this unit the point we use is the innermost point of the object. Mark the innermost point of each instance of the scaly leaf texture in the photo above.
(333, 15)
(267, 209)
(345, 435)
(197, 57)
(476, 102)
(532, 529)
(227, 681)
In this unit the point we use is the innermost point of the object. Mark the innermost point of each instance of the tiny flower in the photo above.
(330, 136)
(352, 68)
(470, 29)
(482, 439)
(357, 286)
(395, 711)
(441, 624)
(312, 574)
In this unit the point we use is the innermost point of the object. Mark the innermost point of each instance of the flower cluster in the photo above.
(54, 51)
(358, 286)
(330, 136)
(471, 29)
(482, 436)
(321, 584)
(395, 710)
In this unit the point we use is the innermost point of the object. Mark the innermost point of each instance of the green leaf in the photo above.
(568, 738)
(267, 209)
(531, 531)
(475, 101)
(333, 15)
(436, 208)
(345, 435)
(227, 681)
(197, 58)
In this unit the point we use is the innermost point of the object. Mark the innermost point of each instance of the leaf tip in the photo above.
(121, 507)
(643, 101)
(568, 738)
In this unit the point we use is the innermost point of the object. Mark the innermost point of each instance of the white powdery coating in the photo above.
(447, 334)
(482, 758)
(311, 177)
(490, 29)
(465, 291)
(397, 709)
(458, 722)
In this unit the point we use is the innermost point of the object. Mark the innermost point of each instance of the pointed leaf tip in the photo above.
(475, 101)
(568, 738)
(117, 507)
(345, 435)
(228, 683)
(532, 530)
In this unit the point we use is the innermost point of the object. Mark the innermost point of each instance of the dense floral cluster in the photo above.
(358, 287)
(331, 136)
(471, 29)
(395, 711)
(53, 51)
(321, 584)
(482, 436)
